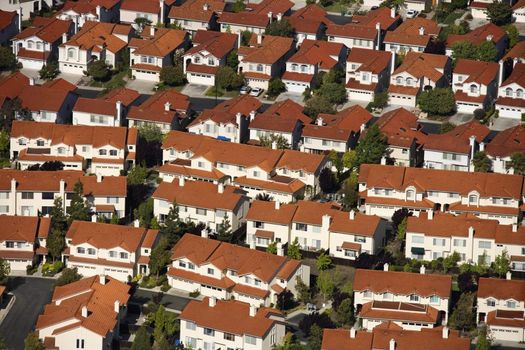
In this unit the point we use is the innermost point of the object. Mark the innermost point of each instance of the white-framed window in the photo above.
(388, 296)
(201, 211)
(414, 297)
(418, 239)
(190, 325)
(81, 250)
(484, 244)
(434, 299)
(439, 242)
(124, 255)
(473, 199)
(71, 53)
(491, 302)
(248, 339)
(511, 304)
(508, 92)
(367, 294)
(458, 242)
(210, 271)
(91, 251)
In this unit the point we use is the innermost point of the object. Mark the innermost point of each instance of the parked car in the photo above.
(412, 13)
(245, 90)
(256, 92)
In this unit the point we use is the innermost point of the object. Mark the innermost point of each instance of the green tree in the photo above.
(49, 71)
(327, 181)
(164, 324)
(144, 213)
(380, 100)
(160, 257)
(335, 75)
(325, 284)
(502, 264)
(463, 317)
(350, 159)
(114, 219)
(499, 13)
(272, 248)
(336, 161)
(513, 34)
(226, 78)
(486, 51)
(171, 228)
(294, 250)
(99, 70)
(55, 244)
(154, 223)
(137, 175)
(439, 101)
(142, 22)
(268, 141)
(32, 342)
(350, 192)
(464, 49)
(5, 270)
(484, 341)
(402, 229)
(142, 339)
(4, 144)
(323, 262)
(451, 261)
(78, 209)
(335, 93)
(232, 60)
(318, 104)
(316, 338)
(372, 147)
(246, 35)
(275, 87)
(172, 75)
(224, 230)
(481, 162)
(303, 291)
(238, 6)
(517, 163)
(58, 218)
(345, 312)
(151, 133)
(279, 28)
(68, 276)
(7, 58)
(446, 127)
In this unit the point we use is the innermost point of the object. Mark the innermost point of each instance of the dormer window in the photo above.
(388, 296)
(508, 92)
(511, 304)
(411, 194)
(473, 199)
(474, 89)
(414, 297)
(399, 80)
(491, 302)
(434, 299)
(519, 93)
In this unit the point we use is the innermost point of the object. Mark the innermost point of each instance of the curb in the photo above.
(7, 308)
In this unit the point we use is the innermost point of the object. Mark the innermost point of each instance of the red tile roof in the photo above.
(517, 76)
(164, 42)
(423, 65)
(458, 139)
(149, 6)
(371, 60)
(49, 29)
(478, 35)
(271, 49)
(325, 54)
(477, 71)
(154, 108)
(7, 18)
(197, 10)
(507, 142)
(216, 43)
(501, 289)
(96, 35)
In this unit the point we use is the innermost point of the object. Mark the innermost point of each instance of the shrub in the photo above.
(51, 269)
(479, 113)
(194, 294)
(31, 269)
(165, 287)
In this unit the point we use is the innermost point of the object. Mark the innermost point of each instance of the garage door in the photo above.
(402, 100)
(200, 79)
(293, 86)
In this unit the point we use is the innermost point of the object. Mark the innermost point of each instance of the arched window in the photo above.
(473, 199)
(399, 80)
(519, 93)
(61, 150)
(39, 45)
(409, 81)
(508, 92)
(411, 194)
(474, 88)
(304, 68)
(294, 67)
(70, 53)
(259, 68)
(30, 44)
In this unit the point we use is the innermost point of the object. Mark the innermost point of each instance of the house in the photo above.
(388, 336)
(414, 34)
(104, 151)
(96, 41)
(227, 271)
(233, 324)
(386, 17)
(227, 121)
(32, 193)
(256, 17)
(338, 132)
(418, 72)
(475, 84)
(84, 314)
(501, 306)
(434, 235)
(518, 12)
(367, 73)
(412, 301)
(313, 57)
(18, 239)
(384, 189)
(404, 137)
(167, 110)
(455, 150)
(84, 11)
(111, 250)
(11, 87)
(210, 51)
(195, 15)
(284, 119)
(154, 49)
(201, 202)
(309, 23)
(487, 32)
(511, 96)
(149, 11)
(37, 45)
(51, 102)
(516, 54)
(503, 146)
(26, 8)
(265, 59)
(10, 25)
(108, 110)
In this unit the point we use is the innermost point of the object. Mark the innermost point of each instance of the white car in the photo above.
(412, 13)
(245, 90)
(256, 92)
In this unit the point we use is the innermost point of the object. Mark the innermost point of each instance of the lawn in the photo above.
(221, 92)
(117, 80)
(337, 7)
(453, 16)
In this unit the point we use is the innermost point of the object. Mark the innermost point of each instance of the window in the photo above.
(259, 68)
(9, 244)
(360, 239)
(113, 152)
(511, 304)
(27, 195)
(491, 302)
(91, 251)
(387, 296)
(304, 68)
(367, 294)
(48, 195)
(201, 211)
(399, 80)
(418, 239)
(102, 152)
(256, 173)
(190, 325)
(40, 143)
(112, 254)
(211, 61)
(209, 331)
(30, 44)
(112, 200)
(147, 59)
(70, 53)
(81, 250)
(409, 81)
(484, 244)
(247, 280)
(191, 266)
(294, 67)
(316, 243)
(508, 92)
(22, 142)
(257, 282)
(250, 340)
(80, 344)
(434, 299)
(519, 93)
(190, 342)
(473, 199)
(459, 242)
(410, 194)
(316, 229)
(474, 88)
(440, 242)
(124, 255)
(414, 297)
(4, 209)
(210, 271)
(182, 264)
(229, 336)
(301, 227)
(258, 224)
(61, 150)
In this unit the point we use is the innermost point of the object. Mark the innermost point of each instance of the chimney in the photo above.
(116, 306)
(274, 144)
(259, 39)
(279, 16)
(270, 16)
(445, 332)
(277, 205)
(378, 28)
(422, 269)
(393, 12)
(75, 27)
(252, 115)
(472, 141)
(102, 279)
(253, 310)
(204, 233)
(118, 106)
(280, 250)
(136, 223)
(508, 275)
(430, 214)
(489, 37)
(501, 72)
(62, 186)
(182, 180)
(19, 12)
(167, 106)
(363, 127)
(514, 62)
(470, 232)
(220, 187)
(514, 227)
(84, 311)
(319, 121)
(392, 344)
(99, 178)
(98, 10)
(352, 214)
(393, 63)
(31, 81)
(421, 30)
(13, 185)
(325, 223)
(238, 117)
(383, 160)
(212, 301)
(205, 7)
(385, 267)
(64, 37)
(161, 5)
(482, 146)
(94, 218)
(352, 333)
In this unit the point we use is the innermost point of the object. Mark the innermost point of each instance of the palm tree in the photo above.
(264, 197)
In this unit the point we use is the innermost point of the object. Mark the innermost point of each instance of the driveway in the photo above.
(296, 97)
(31, 295)
(194, 90)
(142, 86)
(500, 123)
(460, 118)
(172, 302)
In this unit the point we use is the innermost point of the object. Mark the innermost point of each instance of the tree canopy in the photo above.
(79, 210)
(481, 162)
(279, 28)
(7, 58)
(172, 75)
(517, 163)
(499, 13)
(372, 147)
(438, 101)
(99, 70)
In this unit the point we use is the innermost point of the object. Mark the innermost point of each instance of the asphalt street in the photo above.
(31, 295)
(169, 301)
